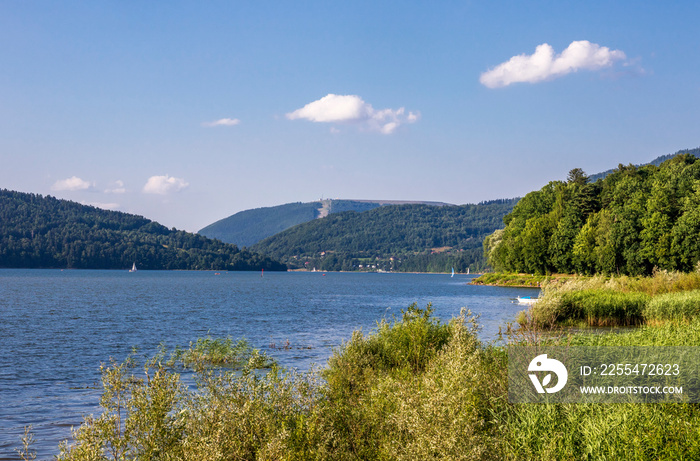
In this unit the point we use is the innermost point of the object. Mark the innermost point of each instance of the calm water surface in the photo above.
(56, 327)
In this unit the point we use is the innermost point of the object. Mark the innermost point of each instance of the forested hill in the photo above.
(398, 237)
(38, 231)
(248, 227)
(634, 220)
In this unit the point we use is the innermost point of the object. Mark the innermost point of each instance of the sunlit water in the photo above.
(56, 327)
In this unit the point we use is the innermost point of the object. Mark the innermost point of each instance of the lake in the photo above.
(56, 327)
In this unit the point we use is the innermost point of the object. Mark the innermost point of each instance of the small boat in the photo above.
(133, 268)
(453, 272)
(467, 271)
(526, 300)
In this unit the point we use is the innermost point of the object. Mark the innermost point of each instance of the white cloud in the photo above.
(164, 184)
(223, 122)
(543, 64)
(335, 108)
(73, 183)
(117, 189)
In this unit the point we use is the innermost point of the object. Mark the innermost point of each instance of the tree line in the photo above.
(633, 221)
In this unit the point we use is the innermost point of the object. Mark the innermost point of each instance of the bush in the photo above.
(222, 352)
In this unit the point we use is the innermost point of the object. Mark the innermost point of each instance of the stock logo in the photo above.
(542, 363)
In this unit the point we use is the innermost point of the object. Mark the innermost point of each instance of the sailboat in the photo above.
(467, 271)
(453, 272)
(133, 268)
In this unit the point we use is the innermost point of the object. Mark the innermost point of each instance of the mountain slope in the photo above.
(38, 231)
(417, 237)
(248, 227)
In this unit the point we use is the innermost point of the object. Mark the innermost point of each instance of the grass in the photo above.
(681, 306)
(518, 280)
(616, 301)
(602, 307)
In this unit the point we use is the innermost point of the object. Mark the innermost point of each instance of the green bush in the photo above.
(222, 352)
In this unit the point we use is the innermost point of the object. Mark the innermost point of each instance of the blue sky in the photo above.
(187, 112)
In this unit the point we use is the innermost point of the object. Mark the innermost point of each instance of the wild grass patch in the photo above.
(681, 306)
(616, 301)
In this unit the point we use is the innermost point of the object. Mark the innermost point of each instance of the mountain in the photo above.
(45, 232)
(414, 237)
(250, 226)
(656, 162)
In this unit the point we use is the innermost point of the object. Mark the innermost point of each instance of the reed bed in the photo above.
(682, 306)
(616, 301)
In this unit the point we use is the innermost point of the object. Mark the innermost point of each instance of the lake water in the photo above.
(56, 327)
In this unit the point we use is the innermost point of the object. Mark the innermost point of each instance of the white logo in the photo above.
(542, 363)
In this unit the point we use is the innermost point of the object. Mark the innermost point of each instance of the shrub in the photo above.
(222, 352)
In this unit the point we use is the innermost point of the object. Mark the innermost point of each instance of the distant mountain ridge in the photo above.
(656, 162)
(248, 227)
(415, 238)
(44, 232)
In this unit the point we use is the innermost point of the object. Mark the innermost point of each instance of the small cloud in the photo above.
(543, 64)
(104, 206)
(117, 189)
(334, 108)
(222, 122)
(164, 185)
(335, 130)
(72, 184)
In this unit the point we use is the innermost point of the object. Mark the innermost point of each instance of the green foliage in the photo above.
(409, 238)
(681, 306)
(137, 422)
(514, 280)
(44, 232)
(597, 431)
(603, 307)
(222, 352)
(631, 222)
(408, 343)
(600, 301)
(413, 389)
